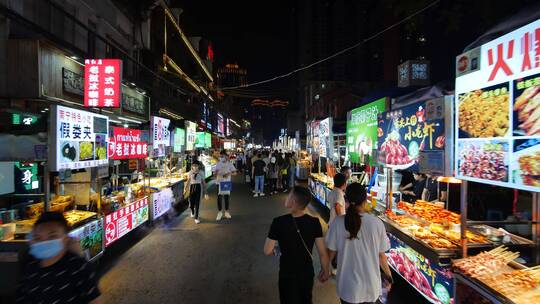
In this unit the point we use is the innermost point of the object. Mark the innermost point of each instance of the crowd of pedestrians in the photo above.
(270, 170)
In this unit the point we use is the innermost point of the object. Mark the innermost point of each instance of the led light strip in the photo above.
(185, 39)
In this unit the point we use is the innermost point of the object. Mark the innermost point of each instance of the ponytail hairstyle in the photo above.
(355, 195)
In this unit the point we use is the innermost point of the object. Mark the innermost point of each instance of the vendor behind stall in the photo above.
(406, 186)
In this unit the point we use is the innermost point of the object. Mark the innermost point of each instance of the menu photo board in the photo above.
(362, 130)
(498, 113)
(403, 134)
(90, 238)
(161, 136)
(191, 135)
(127, 143)
(179, 140)
(78, 139)
(120, 222)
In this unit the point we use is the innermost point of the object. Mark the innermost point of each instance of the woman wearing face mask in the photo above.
(197, 190)
(223, 171)
(359, 240)
(56, 275)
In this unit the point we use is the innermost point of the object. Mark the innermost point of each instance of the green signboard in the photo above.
(179, 140)
(26, 177)
(362, 130)
(207, 140)
(200, 140)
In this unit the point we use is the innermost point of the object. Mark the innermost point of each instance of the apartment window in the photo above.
(91, 39)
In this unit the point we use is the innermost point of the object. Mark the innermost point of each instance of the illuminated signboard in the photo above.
(179, 139)
(497, 111)
(161, 136)
(326, 138)
(161, 202)
(79, 139)
(102, 82)
(120, 222)
(434, 282)
(220, 125)
(90, 238)
(362, 130)
(26, 177)
(127, 143)
(191, 135)
(406, 132)
(207, 140)
(199, 141)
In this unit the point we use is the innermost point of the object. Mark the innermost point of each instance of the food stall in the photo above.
(204, 145)
(497, 143)
(165, 180)
(303, 165)
(320, 181)
(421, 235)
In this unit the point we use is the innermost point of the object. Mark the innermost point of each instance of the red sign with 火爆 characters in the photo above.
(127, 144)
(102, 83)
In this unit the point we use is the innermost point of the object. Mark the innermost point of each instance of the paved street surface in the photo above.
(180, 262)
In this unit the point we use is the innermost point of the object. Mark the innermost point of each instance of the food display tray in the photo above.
(442, 256)
(477, 285)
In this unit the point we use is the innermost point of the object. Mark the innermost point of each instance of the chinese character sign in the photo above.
(404, 133)
(80, 139)
(191, 135)
(102, 82)
(362, 130)
(326, 138)
(127, 144)
(497, 112)
(160, 131)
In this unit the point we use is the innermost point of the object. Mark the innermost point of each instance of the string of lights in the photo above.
(343, 51)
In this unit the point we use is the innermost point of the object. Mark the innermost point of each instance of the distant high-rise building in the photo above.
(231, 75)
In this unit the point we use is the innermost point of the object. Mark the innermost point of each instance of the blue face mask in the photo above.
(46, 249)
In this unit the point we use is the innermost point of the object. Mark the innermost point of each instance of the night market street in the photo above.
(182, 262)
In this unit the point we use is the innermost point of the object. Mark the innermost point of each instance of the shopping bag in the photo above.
(225, 187)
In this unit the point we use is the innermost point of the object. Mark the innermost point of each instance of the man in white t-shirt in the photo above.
(336, 198)
(223, 171)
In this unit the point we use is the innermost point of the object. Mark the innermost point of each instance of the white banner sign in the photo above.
(78, 139)
(161, 202)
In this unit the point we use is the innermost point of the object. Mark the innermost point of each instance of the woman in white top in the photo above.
(197, 189)
(359, 239)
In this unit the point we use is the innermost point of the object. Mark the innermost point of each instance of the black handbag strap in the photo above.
(301, 238)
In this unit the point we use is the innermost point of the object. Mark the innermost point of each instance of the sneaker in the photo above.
(262, 194)
(285, 191)
(256, 195)
(192, 214)
(227, 215)
(219, 216)
(197, 221)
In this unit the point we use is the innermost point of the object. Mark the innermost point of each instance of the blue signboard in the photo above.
(433, 281)
(404, 133)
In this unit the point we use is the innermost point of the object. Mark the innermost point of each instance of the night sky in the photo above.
(258, 35)
(255, 34)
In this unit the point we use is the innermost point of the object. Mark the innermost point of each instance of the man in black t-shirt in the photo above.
(259, 170)
(296, 233)
(56, 275)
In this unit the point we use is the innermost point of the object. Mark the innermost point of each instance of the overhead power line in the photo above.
(345, 50)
